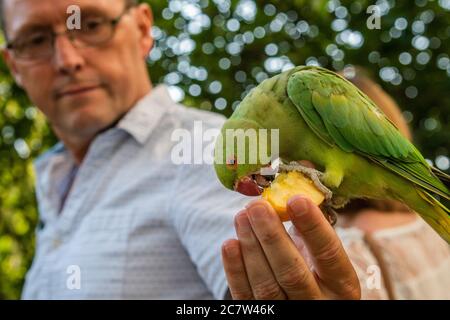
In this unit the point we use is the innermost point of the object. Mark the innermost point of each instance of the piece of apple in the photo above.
(286, 185)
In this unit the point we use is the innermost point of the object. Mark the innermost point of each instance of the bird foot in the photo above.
(315, 176)
(329, 213)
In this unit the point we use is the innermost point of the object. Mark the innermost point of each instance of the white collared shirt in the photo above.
(134, 224)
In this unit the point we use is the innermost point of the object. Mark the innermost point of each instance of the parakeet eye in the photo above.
(232, 162)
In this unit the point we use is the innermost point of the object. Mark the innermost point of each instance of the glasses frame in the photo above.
(71, 35)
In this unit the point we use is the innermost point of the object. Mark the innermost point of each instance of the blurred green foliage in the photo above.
(212, 52)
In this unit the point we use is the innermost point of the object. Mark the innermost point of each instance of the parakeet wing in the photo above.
(342, 115)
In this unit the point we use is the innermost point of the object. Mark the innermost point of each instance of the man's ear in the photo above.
(145, 23)
(12, 67)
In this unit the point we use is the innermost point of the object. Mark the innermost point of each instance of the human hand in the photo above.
(264, 263)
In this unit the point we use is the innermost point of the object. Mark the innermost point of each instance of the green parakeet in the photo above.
(323, 118)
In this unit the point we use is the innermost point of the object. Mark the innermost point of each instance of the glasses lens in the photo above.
(35, 45)
(94, 31)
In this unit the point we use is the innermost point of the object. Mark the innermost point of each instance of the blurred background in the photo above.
(212, 52)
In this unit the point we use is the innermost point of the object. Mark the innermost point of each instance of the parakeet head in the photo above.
(241, 150)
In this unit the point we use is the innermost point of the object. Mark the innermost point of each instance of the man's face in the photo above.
(82, 90)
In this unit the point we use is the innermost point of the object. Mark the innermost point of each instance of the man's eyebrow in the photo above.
(91, 10)
(30, 27)
(36, 22)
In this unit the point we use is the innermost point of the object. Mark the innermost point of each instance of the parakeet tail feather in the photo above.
(444, 177)
(436, 214)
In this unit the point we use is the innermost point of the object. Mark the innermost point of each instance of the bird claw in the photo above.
(330, 214)
(313, 174)
(316, 176)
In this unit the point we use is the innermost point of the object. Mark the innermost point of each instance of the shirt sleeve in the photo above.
(203, 212)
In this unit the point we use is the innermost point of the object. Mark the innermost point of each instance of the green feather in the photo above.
(354, 123)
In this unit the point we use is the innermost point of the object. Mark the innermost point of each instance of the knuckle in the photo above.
(233, 272)
(250, 246)
(267, 290)
(309, 225)
(238, 294)
(350, 290)
(271, 236)
(293, 277)
(329, 255)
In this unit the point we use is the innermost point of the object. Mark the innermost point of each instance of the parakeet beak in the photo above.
(254, 184)
(247, 186)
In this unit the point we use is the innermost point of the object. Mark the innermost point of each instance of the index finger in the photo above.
(331, 262)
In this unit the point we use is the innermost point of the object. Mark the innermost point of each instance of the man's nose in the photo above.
(67, 58)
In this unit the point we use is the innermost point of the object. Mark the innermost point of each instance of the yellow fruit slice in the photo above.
(286, 185)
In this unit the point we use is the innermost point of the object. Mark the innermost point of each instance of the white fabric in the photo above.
(416, 258)
(135, 225)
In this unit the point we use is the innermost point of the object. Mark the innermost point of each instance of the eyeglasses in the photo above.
(39, 44)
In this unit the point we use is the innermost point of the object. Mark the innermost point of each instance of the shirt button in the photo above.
(56, 243)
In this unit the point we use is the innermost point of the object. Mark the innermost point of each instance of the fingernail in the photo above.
(257, 212)
(242, 221)
(298, 205)
(230, 250)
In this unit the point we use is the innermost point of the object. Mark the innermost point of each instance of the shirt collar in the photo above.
(138, 122)
(142, 119)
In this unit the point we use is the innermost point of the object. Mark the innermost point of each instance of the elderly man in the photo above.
(119, 219)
